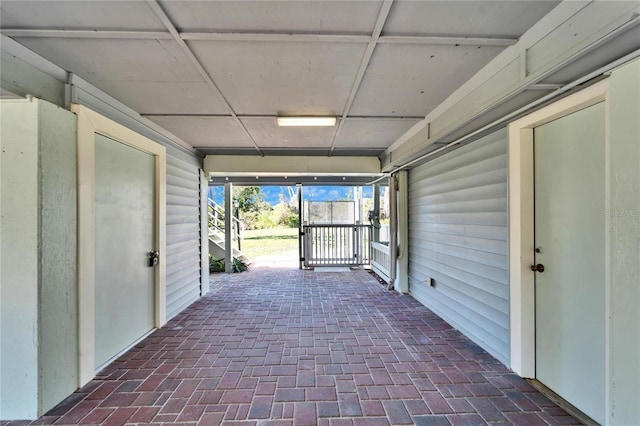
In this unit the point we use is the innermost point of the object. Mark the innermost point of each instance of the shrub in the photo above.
(217, 265)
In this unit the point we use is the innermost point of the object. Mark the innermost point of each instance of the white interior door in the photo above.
(124, 235)
(570, 244)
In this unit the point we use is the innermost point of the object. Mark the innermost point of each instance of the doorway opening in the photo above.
(275, 226)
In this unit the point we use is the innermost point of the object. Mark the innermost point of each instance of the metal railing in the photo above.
(381, 259)
(336, 245)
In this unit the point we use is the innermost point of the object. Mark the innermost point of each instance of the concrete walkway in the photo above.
(290, 347)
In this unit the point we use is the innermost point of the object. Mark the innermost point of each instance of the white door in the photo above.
(124, 232)
(570, 244)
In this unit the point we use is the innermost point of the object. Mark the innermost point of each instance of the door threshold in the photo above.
(563, 403)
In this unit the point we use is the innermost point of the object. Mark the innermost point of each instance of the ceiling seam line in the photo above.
(448, 40)
(276, 37)
(351, 117)
(166, 21)
(91, 34)
(364, 64)
(266, 37)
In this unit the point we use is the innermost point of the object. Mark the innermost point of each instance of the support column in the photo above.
(376, 208)
(300, 227)
(393, 231)
(228, 228)
(204, 233)
(402, 268)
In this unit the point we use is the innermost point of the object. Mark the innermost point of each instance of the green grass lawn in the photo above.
(262, 242)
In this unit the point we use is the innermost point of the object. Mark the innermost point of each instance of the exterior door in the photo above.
(570, 244)
(124, 236)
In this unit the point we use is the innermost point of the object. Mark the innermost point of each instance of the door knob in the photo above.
(537, 268)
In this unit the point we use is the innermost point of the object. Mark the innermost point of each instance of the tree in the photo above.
(249, 198)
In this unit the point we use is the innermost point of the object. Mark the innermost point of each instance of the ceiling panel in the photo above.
(274, 16)
(206, 131)
(79, 15)
(160, 97)
(427, 76)
(471, 18)
(267, 134)
(372, 133)
(270, 78)
(150, 76)
(119, 60)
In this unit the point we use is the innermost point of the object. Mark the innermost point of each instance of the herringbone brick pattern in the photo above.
(289, 347)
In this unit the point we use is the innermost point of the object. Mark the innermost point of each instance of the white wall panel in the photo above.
(183, 231)
(458, 237)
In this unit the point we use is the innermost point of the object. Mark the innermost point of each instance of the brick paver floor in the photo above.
(282, 347)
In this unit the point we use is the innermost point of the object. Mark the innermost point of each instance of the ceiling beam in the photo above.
(241, 116)
(240, 165)
(544, 86)
(277, 37)
(95, 34)
(283, 180)
(456, 41)
(364, 64)
(164, 18)
(259, 37)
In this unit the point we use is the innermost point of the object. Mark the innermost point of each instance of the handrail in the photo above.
(216, 213)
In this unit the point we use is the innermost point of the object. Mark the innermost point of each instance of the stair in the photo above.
(216, 248)
(217, 237)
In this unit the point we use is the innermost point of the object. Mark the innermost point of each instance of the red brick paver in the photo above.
(296, 347)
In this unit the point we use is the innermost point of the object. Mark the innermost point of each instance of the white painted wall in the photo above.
(38, 258)
(19, 259)
(624, 216)
(58, 318)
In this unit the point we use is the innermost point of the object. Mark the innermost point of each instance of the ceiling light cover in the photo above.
(306, 121)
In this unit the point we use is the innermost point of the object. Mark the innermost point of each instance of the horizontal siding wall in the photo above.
(183, 231)
(458, 237)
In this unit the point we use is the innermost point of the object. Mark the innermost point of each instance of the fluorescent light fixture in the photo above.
(306, 121)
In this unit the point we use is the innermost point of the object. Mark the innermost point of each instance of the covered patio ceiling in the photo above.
(216, 74)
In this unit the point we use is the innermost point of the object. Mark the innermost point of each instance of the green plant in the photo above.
(218, 265)
(239, 266)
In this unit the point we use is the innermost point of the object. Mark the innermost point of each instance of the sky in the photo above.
(310, 193)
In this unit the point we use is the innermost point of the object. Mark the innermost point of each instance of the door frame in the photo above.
(521, 225)
(90, 123)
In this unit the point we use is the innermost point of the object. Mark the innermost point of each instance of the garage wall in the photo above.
(624, 246)
(19, 260)
(458, 237)
(38, 272)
